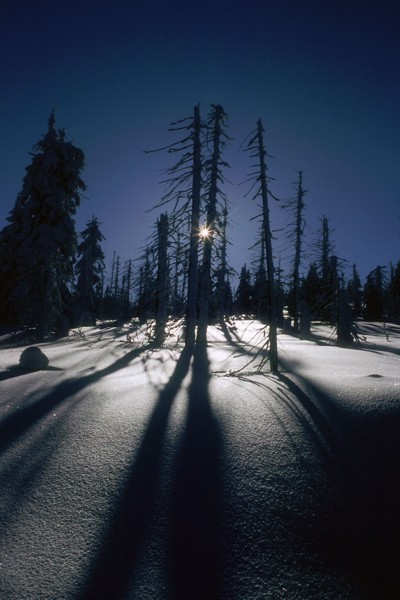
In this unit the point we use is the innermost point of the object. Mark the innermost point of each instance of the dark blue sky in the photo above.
(324, 77)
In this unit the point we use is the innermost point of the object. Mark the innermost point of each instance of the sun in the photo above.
(204, 232)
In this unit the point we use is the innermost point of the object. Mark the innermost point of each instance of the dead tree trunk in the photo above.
(223, 268)
(162, 280)
(268, 247)
(194, 234)
(208, 238)
(297, 252)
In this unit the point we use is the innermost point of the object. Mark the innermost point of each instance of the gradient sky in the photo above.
(324, 77)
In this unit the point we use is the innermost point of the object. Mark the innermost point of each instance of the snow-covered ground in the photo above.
(133, 473)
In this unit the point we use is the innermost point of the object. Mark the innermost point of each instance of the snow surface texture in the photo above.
(133, 473)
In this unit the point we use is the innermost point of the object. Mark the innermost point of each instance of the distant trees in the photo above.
(49, 278)
(37, 248)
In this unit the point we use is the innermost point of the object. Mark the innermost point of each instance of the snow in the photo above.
(130, 472)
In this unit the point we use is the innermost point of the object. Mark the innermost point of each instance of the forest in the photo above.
(54, 279)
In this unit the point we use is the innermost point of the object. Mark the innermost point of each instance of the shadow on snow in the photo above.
(21, 420)
(193, 558)
(363, 536)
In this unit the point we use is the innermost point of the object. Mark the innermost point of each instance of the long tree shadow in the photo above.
(125, 538)
(364, 532)
(35, 434)
(195, 564)
(17, 423)
(16, 371)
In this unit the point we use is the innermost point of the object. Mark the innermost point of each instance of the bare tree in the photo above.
(183, 187)
(162, 280)
(194, 231)
(213, 166)
(259, 179)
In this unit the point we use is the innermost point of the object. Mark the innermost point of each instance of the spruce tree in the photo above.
(374, 295)
(260, 287)
(223, 289)
(310, 295)
(89, 269)
(127, 289)
(37, 248)
(394, 292)
(146, 296)
(295, 236)
(243, 296)
(354, 293)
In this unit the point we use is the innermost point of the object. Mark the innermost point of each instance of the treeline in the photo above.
(325, 296)
(53, 278)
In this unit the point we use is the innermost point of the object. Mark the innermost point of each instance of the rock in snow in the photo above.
(34, 359)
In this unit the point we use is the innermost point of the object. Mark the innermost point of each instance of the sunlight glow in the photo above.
(204, 232)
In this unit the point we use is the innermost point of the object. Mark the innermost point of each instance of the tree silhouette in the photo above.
(374, 295)
(162, 284)
(89, 268)
(354, 293)
(213, 168)
(243, 296)
(183, 186)
(295, 238)
(256, 148)
(37, 248)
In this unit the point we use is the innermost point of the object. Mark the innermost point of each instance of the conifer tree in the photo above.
(89, 269)
(394, 292)
(309, 306)
(295, 237)
(243, 296)
(325, 247)
(322, 303)
(126, 291)
(260, 287)
(146, 286)
(374, 295)
(354, 293)
(37, 248)
(223, 289)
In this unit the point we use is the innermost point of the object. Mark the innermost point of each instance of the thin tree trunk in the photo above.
(162, 277)
(205, 281)
(268, 246)
(222, 273)
(297, 255)
(194, 234)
